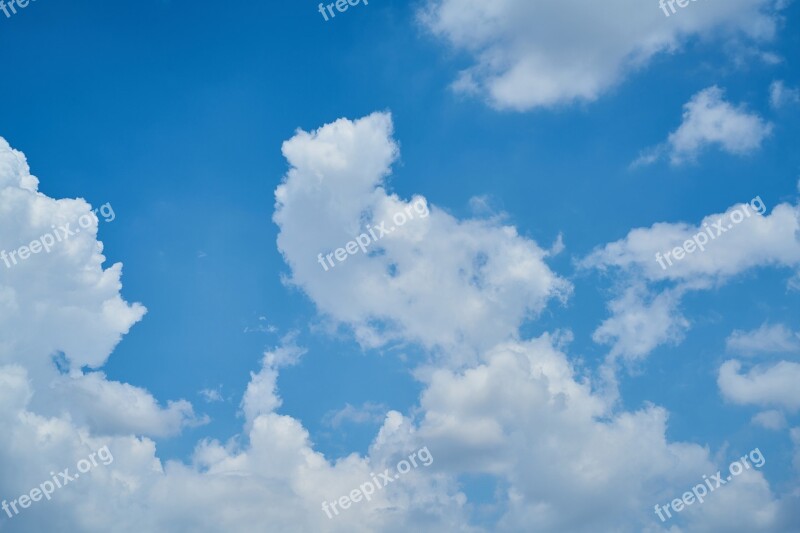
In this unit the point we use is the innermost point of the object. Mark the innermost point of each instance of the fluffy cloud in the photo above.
(708, 120)
(755, 240)
(560, 453)
(62, 312)
(269, 475)
(566, 460)
(647, 313)
(93, 400)
(53, 413)
(772, 385)
(640, 322)
(564, 457)
(448, 284)
(63, 306)
(530, 54)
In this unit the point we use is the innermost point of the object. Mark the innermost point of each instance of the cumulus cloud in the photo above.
(710, 121)
(763, 385)
(564, 458)
(223, 489)
(641, 321)
(530, 54)
(94, 400)
(61, 315)
(743, 237)
(647, 313)
(559, 452)
(260, 396)
(448, 284)
(61, 311)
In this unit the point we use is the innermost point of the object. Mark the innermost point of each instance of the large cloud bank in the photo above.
(494, 404)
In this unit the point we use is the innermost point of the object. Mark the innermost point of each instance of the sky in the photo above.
(581, 305)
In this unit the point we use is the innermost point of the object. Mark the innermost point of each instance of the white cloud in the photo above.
(263, 326)
(65, 303)
(565, 458)
(647, 313)
(530, 54)
(771, 239)
(780, 95)
(268, 475)
(448, 284)
(764, 385)
(766, 339)
(708, 120)
(260, 396)
(369, 412)
(772, 419)
(561, 455)
(92, 399)
(569, 462)
(212, 395)
(640, 322)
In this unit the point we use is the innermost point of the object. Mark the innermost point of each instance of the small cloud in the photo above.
(708, 120)
(368, 413)
(773, 420)
(776, 339)
(780, 95)
(764, 385)
(201, 254)
(486, 207)
(288, 353)
(262, 327)
(480, 204)
(212, 395)
(558, 246)
(771, 58)
(648, 156)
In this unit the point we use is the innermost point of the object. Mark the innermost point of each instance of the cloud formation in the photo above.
(710, 121)
(530, 54)
(647, 312)
(564, 458)
(767, 339)
(781, 96)
(765, 386)
(452, 285)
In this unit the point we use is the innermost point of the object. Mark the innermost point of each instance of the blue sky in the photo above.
(176, 114)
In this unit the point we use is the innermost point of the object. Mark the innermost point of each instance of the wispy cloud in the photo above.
(710, 121)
